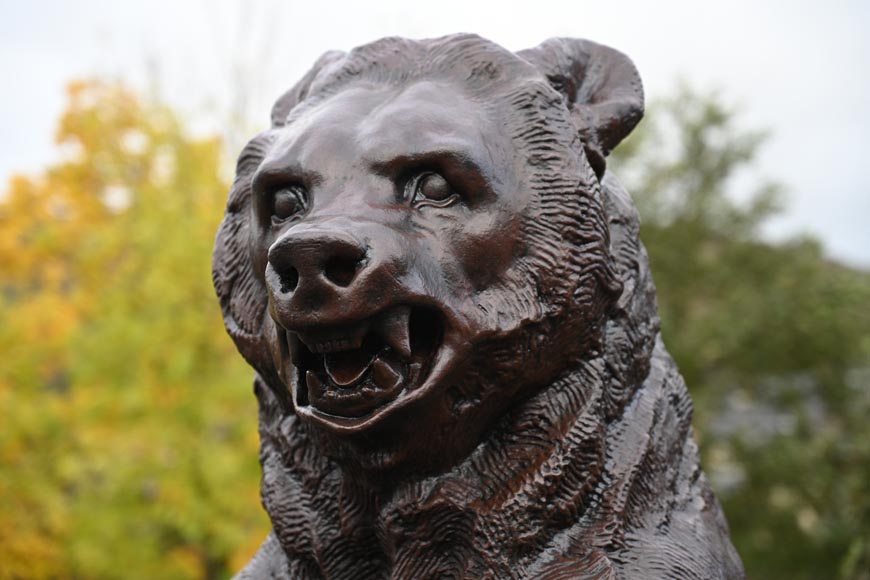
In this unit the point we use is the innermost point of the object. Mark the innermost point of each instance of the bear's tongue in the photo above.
(347, 367)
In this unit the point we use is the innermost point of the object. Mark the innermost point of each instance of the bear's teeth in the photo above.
(293, 346)
(384, 375)
(394, 330)
(413, 374)
(312, 381)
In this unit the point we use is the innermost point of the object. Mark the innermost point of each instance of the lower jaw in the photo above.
(359, 411)
(355, 402)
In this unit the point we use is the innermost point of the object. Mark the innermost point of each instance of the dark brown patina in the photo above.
(453, 325)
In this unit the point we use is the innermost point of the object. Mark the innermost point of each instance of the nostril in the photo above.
(289, 279)
(340, 271)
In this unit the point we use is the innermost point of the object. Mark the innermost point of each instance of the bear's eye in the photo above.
(287, 202)
(431, 189)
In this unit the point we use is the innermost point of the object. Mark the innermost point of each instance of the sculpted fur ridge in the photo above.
(453, 324)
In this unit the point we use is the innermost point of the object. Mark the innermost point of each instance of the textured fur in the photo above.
(587, 468)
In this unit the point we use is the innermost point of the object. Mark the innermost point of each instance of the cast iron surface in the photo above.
(453, 324)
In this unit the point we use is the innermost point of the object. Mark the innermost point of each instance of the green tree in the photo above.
(773, 340)
(128, 448)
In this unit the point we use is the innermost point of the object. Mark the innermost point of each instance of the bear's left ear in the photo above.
(602, 89)
(299, 91)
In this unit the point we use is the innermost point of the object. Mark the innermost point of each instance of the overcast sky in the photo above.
(800, 69)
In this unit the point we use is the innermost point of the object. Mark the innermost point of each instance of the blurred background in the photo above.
(128, 444)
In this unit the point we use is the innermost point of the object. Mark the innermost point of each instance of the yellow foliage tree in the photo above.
(128, 447)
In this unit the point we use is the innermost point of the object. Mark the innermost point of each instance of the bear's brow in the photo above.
(268, 176)
(433, 159)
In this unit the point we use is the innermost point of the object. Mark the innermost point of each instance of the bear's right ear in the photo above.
(602, 89)
(297, 94)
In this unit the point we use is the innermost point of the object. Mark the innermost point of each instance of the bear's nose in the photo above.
(315, 257)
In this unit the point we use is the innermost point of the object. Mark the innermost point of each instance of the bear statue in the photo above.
(453, 325)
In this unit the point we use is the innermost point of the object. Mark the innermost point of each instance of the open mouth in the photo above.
(352, 370)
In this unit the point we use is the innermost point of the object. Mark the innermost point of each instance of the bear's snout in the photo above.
(316, 255)
(311, 267)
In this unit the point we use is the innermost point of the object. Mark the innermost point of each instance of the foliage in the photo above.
(773, 340)
(127, 448)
